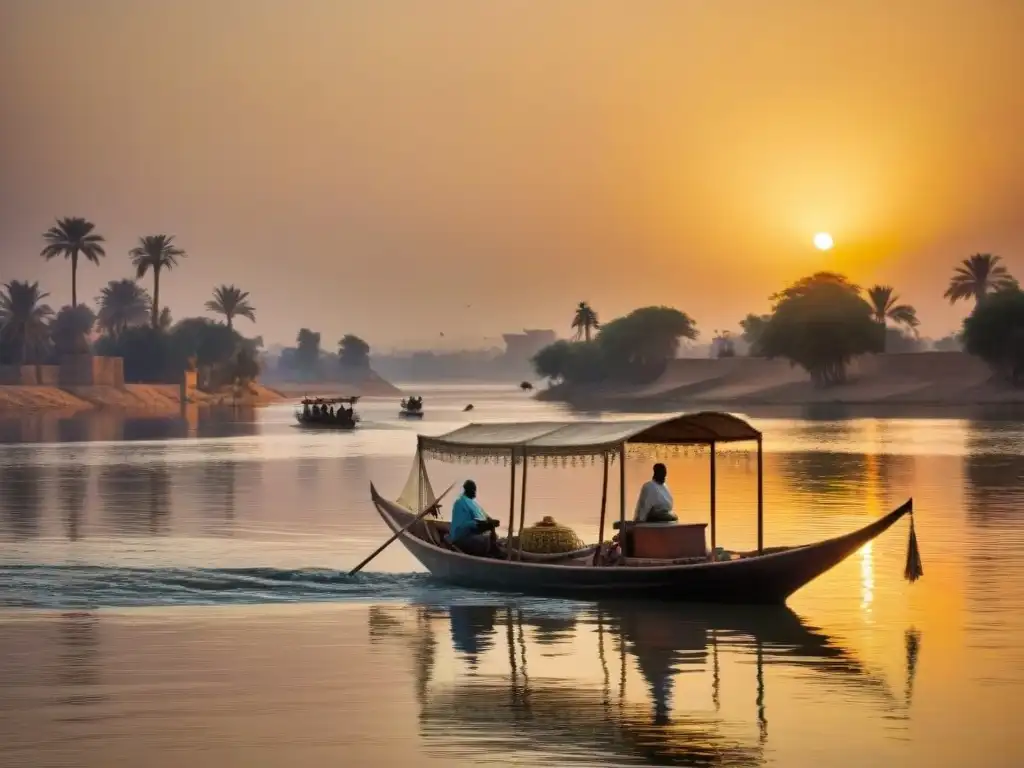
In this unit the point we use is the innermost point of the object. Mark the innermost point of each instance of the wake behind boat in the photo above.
(661, 560)
(328, 413)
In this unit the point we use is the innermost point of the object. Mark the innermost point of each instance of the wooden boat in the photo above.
(328, 413)
(411, 408)
(762, 576)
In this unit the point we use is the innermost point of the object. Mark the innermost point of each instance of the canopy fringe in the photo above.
(913, 570)
(581, 457)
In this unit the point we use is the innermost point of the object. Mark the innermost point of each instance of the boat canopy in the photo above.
(585, 438)
(330, 400)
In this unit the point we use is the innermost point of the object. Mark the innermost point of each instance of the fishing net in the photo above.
(418, 494)
(548, 537)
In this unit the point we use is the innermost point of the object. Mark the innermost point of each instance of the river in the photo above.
(172, 593)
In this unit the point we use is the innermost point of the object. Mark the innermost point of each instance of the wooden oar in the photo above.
(412, 522)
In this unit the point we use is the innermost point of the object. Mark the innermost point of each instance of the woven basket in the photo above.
(548, 537)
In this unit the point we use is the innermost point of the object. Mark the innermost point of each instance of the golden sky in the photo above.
(374, 167)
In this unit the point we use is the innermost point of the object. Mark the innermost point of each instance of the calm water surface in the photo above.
(172, 593)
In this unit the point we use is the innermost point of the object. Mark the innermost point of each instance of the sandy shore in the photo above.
(924, 378)
(132, 398)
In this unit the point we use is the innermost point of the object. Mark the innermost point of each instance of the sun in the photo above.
(823, 241)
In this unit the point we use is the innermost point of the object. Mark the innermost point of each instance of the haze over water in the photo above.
(181, 602)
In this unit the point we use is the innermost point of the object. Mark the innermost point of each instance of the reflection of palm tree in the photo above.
(584, 321)
(977, 277)
(123, 486)
(22, 496)
(24, 320)
(993, 470)
(231, 302)
(73, 486)
(155, 253)
(123, 304)
(72, 237)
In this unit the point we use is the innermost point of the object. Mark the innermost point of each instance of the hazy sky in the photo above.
(375, 166)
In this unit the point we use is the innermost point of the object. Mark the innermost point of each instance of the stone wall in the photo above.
(91, 371)
(29, 375)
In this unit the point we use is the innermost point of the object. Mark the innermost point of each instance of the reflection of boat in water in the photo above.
(576, 719)
(695, 573)
(328, 413)
(412, 408)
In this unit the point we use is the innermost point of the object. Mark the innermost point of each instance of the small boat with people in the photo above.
(653, 554)
(412, 408)
(327, 413)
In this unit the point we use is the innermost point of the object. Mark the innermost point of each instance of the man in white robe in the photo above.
(654, 504)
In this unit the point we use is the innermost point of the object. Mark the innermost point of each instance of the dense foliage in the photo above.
(634, 348)
(353, 353)
(821, 323)
(995, 333)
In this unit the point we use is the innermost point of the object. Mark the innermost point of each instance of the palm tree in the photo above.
(885, 306)
(584, 321)
(231, 302)
(155, 253)
(72, 237)
(24, 319)
(123, 304)
(977, 277)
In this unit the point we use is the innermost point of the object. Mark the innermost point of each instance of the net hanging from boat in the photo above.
(418, 493)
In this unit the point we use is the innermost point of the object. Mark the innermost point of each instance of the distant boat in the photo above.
(328, 413)
(526, 386)
(468, 408)
(412, 408)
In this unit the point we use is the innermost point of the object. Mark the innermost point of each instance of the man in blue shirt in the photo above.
(472, 531)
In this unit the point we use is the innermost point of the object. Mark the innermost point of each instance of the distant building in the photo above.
(520, 347)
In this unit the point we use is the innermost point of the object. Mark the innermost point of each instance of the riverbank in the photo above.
(147, 399)
(938, 379)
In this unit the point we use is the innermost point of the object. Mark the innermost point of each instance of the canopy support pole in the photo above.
(604, 506)
(522, 505)
(511, 508)
(760, 495)
(622, 492)
(714, 485)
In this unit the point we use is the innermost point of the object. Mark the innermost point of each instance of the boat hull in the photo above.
(337, 426)
(410, 414)
(767, 579)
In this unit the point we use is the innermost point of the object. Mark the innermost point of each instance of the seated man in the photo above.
(472, 531)
(655, 502)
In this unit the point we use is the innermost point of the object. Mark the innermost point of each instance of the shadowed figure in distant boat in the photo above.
(472, 531)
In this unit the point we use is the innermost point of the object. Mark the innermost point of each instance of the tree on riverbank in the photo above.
(155, 253)
(123, 304)
(152, 355)
(72, 237)
(753, 328)
(70, 331)
(584, 322)
(353, 353)
(994, 331)
(978, 277)
(24, 322)
(636, 348)
(821, 323)
(231, 302)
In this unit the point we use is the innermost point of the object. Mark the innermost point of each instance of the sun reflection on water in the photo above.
(867, 577)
